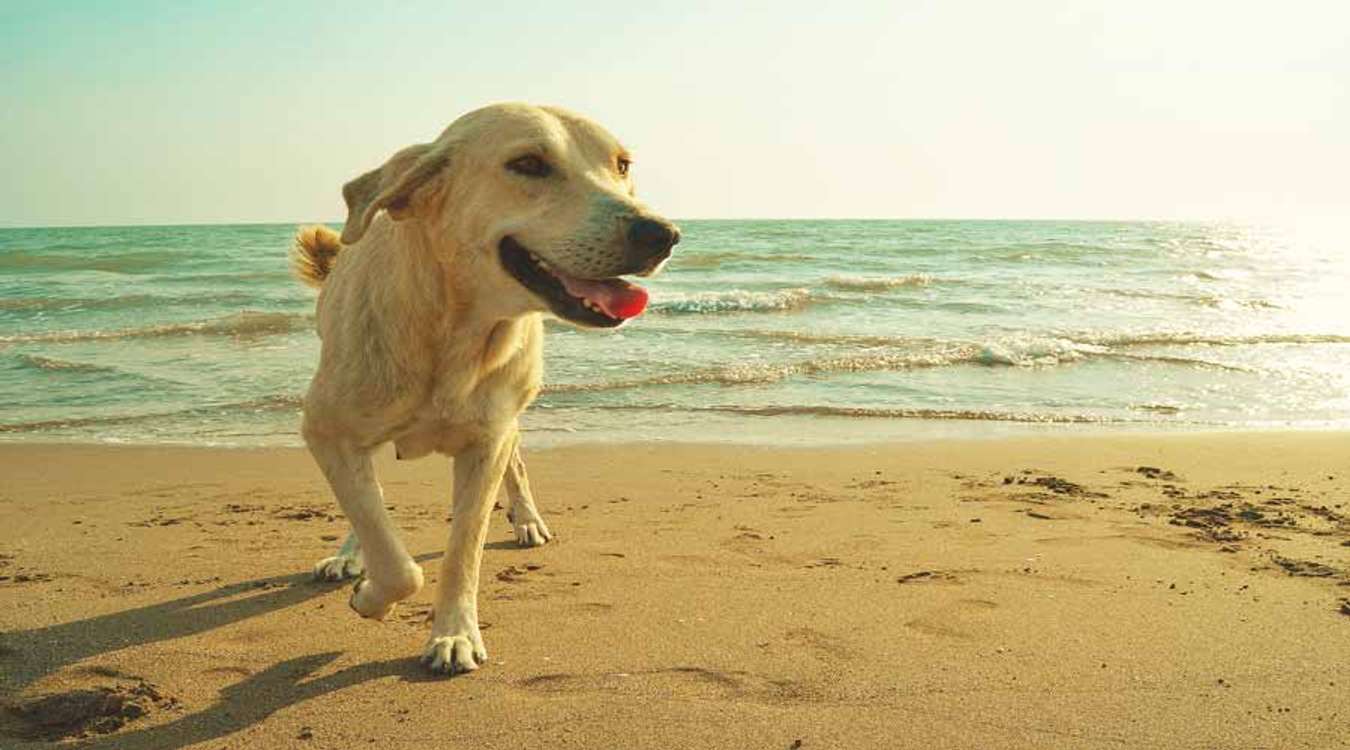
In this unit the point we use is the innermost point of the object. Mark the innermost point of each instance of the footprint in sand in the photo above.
(416, 613)
(528, 582)
(304, 513)
(679, 679)
(13, 574)
(927, 576)
(824, 645)
(517, 574)
(83, 712)
(825, 562)
(961, 620)
(747, 539)
(1153, 472)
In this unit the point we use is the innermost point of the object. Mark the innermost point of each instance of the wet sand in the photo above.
(1188, 591)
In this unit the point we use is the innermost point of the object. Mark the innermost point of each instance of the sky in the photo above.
(198, 112)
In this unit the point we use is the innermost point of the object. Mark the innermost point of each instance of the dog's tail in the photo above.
(315, 251)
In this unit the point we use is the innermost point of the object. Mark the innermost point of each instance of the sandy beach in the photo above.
(1184, 591)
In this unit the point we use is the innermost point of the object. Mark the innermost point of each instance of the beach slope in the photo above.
(1183, 591)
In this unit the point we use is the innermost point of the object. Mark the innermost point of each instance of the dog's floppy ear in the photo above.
(391, 187)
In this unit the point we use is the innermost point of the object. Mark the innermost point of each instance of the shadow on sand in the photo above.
(27, 656)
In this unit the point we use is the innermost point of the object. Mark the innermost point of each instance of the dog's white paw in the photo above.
(376, 601)
(530, 529)
(338, 568)
(455, 654)
(367, 603)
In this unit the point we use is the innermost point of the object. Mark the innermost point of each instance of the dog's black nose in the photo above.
(652, 237)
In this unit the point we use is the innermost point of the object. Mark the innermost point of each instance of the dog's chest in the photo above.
(476, 396)
(453, 421)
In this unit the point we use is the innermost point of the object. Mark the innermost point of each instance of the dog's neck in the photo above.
(482, 327)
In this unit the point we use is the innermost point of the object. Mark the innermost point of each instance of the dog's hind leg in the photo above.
(390, 572)
(456, 643)
(529, 526)
(345, 564)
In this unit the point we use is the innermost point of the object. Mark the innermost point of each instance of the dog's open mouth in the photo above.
(599, 303)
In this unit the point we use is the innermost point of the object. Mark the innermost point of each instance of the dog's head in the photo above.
(536, 203)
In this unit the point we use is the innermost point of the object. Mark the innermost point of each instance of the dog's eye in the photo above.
(530, 166)
(623, 165)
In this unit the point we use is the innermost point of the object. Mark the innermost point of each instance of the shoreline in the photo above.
(812, 432)
(1163, 590)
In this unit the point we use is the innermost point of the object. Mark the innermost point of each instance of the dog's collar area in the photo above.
(596, 303)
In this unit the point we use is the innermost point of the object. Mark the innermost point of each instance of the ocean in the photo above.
(777, 331)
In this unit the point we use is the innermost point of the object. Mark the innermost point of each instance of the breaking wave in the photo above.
(877, 284)
(1203, 300)
(124, 302)
(708, 260)
(733, 301)
(143, 261)
(885, 413)
(806, 337)
(778, 300)
(1047, 353)
(244, 324)
(60, 365)
(1182, 338)
(273, 403)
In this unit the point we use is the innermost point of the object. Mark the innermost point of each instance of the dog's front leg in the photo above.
(456, 644)
(391, 574)
(531, 531)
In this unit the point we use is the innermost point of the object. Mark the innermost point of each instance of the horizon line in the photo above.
(916, 219)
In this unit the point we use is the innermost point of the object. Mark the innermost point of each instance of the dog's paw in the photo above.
(376, 601)
(532, 534)
(530, 529)
(364, 602)
(454, 654)
(338, 568)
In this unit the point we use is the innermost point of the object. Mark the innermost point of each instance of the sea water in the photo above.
(778, 331)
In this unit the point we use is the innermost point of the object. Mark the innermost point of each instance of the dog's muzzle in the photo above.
(650, 243)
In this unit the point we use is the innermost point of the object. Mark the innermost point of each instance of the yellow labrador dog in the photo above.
(431, 316)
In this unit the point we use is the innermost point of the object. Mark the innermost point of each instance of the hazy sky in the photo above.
(165, 112)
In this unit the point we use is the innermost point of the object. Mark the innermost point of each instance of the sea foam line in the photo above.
(878, 283)
(1183, 338)
(733, 300)
(39, 362)
(1038, 354)
(863, 412)
(273, 403)
(244, 323)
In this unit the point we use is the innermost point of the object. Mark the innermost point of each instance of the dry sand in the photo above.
(1039, 592)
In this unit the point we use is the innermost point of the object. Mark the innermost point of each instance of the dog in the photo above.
(430, 313)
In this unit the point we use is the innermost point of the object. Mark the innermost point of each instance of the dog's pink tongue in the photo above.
(618, 298)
